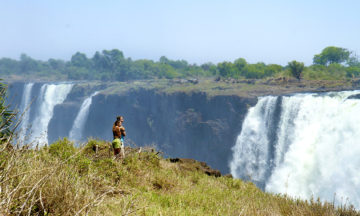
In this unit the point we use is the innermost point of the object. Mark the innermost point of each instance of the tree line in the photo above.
(112, 65)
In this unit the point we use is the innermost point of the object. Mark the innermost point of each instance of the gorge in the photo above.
(301, 144)
(179, 124)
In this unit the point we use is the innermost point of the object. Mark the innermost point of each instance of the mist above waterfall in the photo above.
(305, 145)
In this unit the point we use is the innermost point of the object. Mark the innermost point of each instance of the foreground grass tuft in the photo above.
(65, 180)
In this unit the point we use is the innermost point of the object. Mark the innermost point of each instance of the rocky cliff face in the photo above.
(180, 125)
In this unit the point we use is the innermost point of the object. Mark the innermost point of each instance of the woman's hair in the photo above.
(118, 118)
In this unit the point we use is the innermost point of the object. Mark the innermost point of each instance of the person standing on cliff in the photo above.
(119, 134)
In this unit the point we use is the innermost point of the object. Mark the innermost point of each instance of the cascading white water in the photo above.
(316, 147)
(254, 145)
(80, 120)
(50, 96)
(24, 111)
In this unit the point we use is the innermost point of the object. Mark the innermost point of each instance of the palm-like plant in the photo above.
(296, 68)
(6, 117)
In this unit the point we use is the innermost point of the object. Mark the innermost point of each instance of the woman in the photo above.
(119, 134)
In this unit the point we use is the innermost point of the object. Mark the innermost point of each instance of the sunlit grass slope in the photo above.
(64, 180)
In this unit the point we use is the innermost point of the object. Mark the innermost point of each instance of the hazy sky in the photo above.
(270, 31)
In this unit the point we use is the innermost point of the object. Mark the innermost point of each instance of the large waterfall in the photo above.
(49, 96)
(305, 145)
(25, 110)
(80, 120)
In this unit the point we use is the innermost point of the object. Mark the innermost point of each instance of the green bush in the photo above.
(353, 72)
(63, 148)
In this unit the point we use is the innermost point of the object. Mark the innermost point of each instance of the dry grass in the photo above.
(64, 180)
(52, 181)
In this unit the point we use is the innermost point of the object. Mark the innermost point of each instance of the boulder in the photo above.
(191, 164)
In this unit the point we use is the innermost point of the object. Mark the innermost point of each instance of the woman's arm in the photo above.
(122, 130)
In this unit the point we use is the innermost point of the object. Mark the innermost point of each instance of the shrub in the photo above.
(296, 68)
(63, 149)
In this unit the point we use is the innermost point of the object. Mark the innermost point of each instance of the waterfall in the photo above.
(305, 145)
(80, 120)
(50, 96)
(25, 111)
(255, 128)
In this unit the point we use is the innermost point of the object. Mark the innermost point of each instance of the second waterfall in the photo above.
(305, 145)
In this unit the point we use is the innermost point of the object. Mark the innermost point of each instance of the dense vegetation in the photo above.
(332, 63)
(7, 117)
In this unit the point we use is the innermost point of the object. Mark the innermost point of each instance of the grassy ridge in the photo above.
(242, 88)
(64, 180)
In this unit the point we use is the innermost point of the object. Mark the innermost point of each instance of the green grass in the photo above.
(64, 180)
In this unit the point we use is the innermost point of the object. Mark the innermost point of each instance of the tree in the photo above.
(166, 71)
(353, 60)
(9, 66)
(80, 60)
(209, 68)
(272, 69)
(353, 72)
(240, 63)
(117, 63)
(331, 55)
(254, 71)
(98, 61)
(28, 65)
(226, 69)
(296, 68)
(56, 64)
(163, 60)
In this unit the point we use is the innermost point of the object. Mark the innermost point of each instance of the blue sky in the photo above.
(270, 31)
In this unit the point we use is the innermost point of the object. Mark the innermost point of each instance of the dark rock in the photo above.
(212, 172)
(356, 83)
(219, 88)
(193, 81)
(357, 96)
(231, 80)
(174, 160)
(321, 88)
(228, 176)
(191, 164)
(252, 82)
